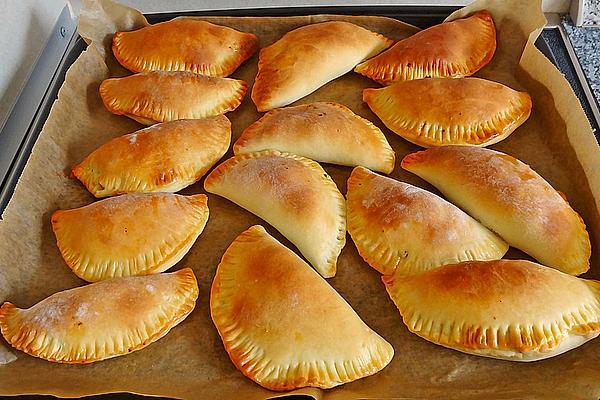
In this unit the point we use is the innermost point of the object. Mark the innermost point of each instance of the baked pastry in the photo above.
(293, 194)
(402, 229)
(282, 325)
(158, 96)
(508, 197)
(162, 158)
(184, 44)
(439, 111)
(308, 57)
(132, 234)
(507, 309)
(102, 320)
(451, 49)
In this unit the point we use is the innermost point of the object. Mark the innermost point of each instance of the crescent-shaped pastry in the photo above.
(511, 199)
(402, 229)
(184, 44)
(308, 57)
(158, 96)
(326, 132)
(440, 111)
(282, 325)
(102, 320)
(508, 309)
(132, 234)
(162, 158)
(293, 194)
(451, 49)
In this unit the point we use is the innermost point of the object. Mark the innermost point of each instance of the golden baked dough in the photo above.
(132, 234)
(102, 320)
(402, 229)
(508, 197)
(308, 57)
(293, 194)
(440, 111)
(282, 325)
(184, 44)
(507, 309)
(162, 158)
(451, 49)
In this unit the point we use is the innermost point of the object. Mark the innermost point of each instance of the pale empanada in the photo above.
(440, 111)
(158, 96)
(508, 197)
(102, 320)
(162, 158)
(293, 194)
(400, 228)
(184, 44)
(132, 234)
(282, 325)
(327, 132)
(451, 49)
(508, 309)
(308, 57)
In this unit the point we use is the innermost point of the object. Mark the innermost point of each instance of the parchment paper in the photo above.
(190, 361)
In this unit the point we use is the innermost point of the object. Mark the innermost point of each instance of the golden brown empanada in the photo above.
(102, 320)
(162, 158)
(451, 49)
(440, 111)
(293, 194)
(508, 197)
(184, 44)
(158, 96)
(308, 57)
(131, 234)
(508, 309)
(282, 325)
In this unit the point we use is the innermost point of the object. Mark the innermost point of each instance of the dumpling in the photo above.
(102, 320)
(326, 132)
(508, 309)
(440, 111)
(293, 194)
(131, 234)
(508, 197)
(402, 229)
(308, 57)
(282, 325)
(162, 158)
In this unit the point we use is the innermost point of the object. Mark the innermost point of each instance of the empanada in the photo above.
(293, 194)
(282, 325)
(131, 234)
(440, 111)
(508, 197)
(308, 57)
(507, 309)
(102, 320)
(400, 228)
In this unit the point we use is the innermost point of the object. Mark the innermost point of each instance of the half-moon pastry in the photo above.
(511, 199)
(402, 229)
(102, 320)
(158, 96)
(162, 158)
(326, 132)
(282, 325)
(440, 111)
(293, 194)
(184, 44)
(451, 49)
(308, 57)
(131, 234)
(507, 309)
